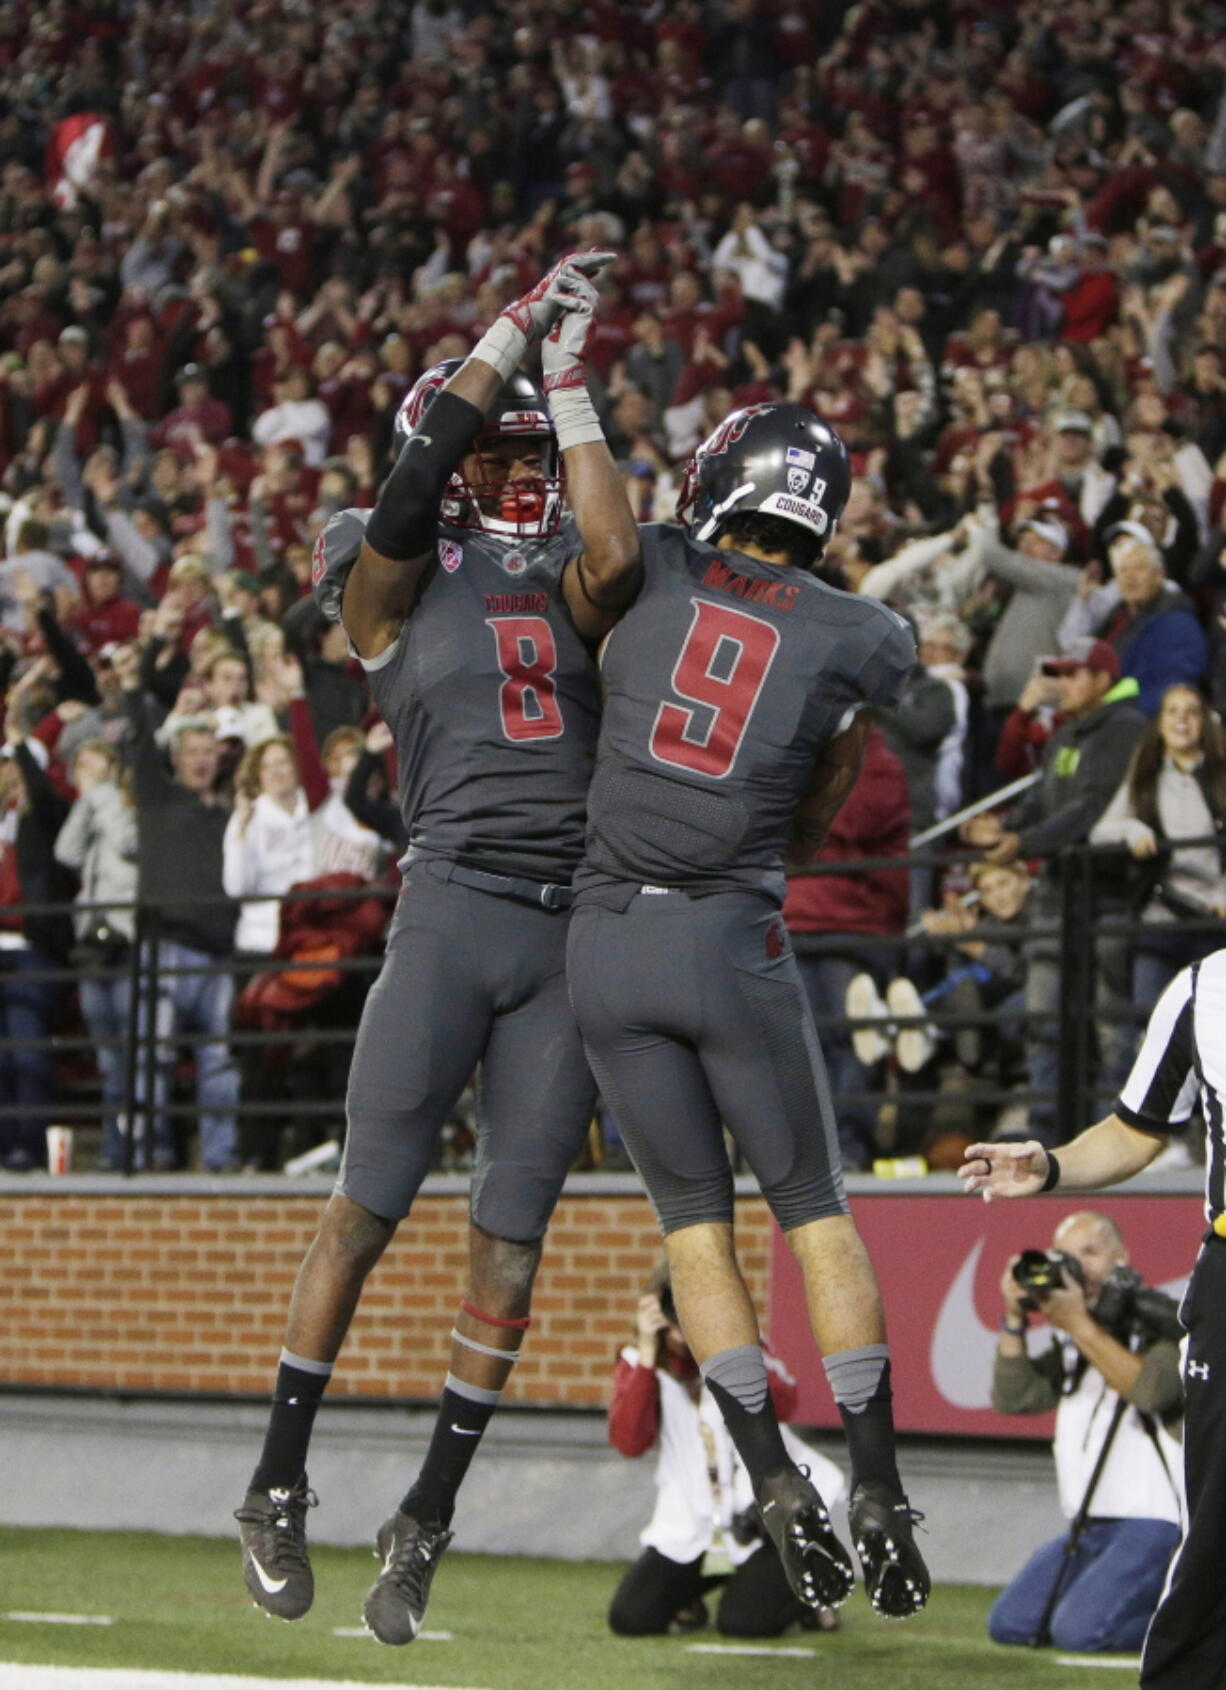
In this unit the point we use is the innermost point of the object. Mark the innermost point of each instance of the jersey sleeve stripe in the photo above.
(1161, 1090)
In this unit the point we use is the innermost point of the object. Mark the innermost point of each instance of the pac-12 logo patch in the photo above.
(800, 465)
(450, 555)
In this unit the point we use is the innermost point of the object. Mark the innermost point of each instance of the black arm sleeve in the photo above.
(404, 523)
(76, 677)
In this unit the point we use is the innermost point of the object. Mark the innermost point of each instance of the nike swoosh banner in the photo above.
(940, 1262)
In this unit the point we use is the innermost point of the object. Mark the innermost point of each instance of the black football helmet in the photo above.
(527, 509)
(779, 459)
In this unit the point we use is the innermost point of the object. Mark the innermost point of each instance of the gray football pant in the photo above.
(470, 983)
(695, 1018)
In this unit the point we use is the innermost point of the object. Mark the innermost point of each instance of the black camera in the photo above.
(1039, 1272)
(1125, 1306)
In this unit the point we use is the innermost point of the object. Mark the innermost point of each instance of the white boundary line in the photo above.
(15, 1676)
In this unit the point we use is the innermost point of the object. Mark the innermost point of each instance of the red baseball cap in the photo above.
(1085, 653)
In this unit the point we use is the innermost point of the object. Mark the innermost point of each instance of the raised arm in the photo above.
(402, 532)
(604, 579)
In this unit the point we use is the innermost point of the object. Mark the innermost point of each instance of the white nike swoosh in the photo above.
(420, 440)
(963, 1345)
(465, 1431)
(272, 1586)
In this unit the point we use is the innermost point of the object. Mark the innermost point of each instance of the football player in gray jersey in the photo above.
(474, 606)
(736, 707)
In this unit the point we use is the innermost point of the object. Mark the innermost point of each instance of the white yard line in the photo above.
(365, 1631)
(1121, 1663)
(748, 1649)
(58, 1619)
(16, 1677)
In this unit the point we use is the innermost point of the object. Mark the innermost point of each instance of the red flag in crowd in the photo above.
(73, 150)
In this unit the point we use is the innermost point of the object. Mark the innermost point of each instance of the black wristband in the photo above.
(1053, 1173)
(1014, 1331)
(404, 522)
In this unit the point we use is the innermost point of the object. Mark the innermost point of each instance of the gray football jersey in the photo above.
(493, 702)
(722, 685)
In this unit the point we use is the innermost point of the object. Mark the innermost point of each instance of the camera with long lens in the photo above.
(1125, 1306)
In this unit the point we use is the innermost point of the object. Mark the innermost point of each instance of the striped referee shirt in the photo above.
(1184, 1054)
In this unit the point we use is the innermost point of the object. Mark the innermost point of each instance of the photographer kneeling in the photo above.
(705, 1533)
(1112, 1374)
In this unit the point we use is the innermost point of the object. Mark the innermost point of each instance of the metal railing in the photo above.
(1087, 913)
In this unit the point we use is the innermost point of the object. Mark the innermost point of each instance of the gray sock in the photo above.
(742, 1373)
(855, 1374)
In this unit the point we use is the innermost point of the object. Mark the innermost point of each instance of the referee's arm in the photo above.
(1157, 1100)
(1105, 1154)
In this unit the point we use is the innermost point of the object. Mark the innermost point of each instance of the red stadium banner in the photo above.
(940, 1261)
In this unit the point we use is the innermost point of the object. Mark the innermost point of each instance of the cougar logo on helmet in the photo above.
(780, 459)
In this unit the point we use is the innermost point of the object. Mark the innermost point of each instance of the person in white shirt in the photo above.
(704, 1532)
(745, 250)
(296, 416)
(268, 843)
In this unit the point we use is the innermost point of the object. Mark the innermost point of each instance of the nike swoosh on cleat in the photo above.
(465, 1431)
(272, 1586)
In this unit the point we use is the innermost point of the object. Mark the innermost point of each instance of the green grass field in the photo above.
(178, 1604)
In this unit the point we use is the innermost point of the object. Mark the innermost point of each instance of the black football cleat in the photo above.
(816, 1565)
(895, 1576)
(396, 1603)
(272, 1532)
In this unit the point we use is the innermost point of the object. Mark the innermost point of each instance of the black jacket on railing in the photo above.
(179, 847)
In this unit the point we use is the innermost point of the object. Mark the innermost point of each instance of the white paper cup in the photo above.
(59, 1150)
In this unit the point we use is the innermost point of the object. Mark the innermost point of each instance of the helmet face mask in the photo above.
(780, 460)
(480, 495)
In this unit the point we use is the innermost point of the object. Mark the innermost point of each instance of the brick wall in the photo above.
(189, 1292)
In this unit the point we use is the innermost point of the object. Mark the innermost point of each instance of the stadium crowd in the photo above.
(987, 244)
